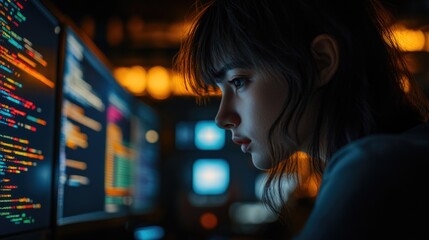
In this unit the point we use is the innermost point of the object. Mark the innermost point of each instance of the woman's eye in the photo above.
(238, 82)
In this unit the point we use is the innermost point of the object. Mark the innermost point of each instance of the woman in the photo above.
(323, 78)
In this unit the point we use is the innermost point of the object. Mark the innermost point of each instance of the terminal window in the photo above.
(29, 43)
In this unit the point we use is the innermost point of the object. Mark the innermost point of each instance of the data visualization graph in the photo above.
(29, 43)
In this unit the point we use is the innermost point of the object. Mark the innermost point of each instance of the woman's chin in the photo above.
(261, 163)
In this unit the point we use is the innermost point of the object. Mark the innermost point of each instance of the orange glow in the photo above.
(158, 82)
(178, 86)
(405, 84)
(408, 39)
(309, 182)
(120, 73)
(208, 220)
(137, 80)
(133, 79)
(115, 191)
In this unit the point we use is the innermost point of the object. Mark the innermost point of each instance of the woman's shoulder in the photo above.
(370, 186)
(410, 148)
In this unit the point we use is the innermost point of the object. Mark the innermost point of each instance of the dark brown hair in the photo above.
(365, 96)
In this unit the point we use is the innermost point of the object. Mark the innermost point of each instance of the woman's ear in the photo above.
(325, 51)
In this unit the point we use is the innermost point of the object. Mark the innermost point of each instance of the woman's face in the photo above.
(249, 106)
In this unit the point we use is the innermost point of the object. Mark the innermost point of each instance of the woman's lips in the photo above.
(244, 147)
(243, 142)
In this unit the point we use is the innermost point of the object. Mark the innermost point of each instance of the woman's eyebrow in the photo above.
(219, 75)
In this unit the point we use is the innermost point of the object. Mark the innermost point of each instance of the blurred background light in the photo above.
(210, 176)
(208, 136)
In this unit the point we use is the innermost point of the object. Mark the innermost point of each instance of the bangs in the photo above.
(216, 39)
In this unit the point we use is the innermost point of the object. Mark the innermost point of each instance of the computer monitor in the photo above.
(29, 44)
(95, 154)
(210, 176)
(209, 136)
(203, 135)
(146, 174)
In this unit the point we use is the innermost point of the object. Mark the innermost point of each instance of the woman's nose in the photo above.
(227, 117)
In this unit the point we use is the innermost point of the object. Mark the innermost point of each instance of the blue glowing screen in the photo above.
(210, 176)
(208, 136)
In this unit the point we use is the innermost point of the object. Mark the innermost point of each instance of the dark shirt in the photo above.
(375, 188)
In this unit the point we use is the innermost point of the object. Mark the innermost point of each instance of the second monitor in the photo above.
(95, 147)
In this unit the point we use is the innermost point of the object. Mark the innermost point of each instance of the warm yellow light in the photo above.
(408, 39)
(120, 73)
(133, 78)
(158, 82)
(137, 80)
(405, 84)
(178, 86)
(309, 182)
(152, 136)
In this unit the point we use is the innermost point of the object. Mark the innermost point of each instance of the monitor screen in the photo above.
(146, 176)
(210, 176)
(29, 43)
(199, 135)
(208, 136)
(95, 156)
